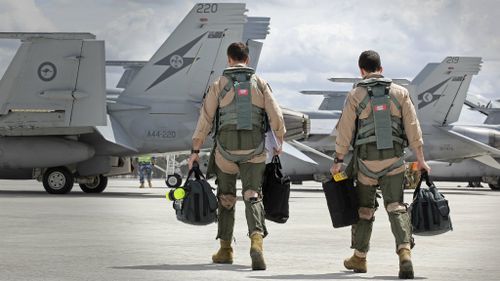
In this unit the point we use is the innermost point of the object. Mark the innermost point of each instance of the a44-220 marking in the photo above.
(161, 133)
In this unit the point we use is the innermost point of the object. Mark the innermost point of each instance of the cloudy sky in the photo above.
(309, 42)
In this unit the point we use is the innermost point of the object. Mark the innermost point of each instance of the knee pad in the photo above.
(251, 196)
(227, 201)
(396, 207)
(366, 213)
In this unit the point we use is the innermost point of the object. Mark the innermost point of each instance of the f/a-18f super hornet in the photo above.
(58, 126)
(438, 92)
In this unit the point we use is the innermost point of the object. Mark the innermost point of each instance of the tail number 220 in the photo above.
(206, 8)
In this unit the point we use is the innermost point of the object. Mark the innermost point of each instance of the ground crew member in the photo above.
(146, 163)
(235, 109)
(379, 120)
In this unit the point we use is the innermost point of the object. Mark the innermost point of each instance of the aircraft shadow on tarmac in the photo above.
(348, 275)
(132, 195)
(188, 267)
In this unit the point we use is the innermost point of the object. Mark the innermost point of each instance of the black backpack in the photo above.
(276, 192)
(199, 206)
(430, 213)
(342, 202)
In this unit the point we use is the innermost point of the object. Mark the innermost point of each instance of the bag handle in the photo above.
(428, 182)
(196, 171)
(276, 160)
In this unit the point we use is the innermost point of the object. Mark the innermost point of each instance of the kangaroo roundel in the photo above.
(176, 61)
(47, 71)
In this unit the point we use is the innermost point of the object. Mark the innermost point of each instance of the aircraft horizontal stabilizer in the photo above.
(47, 35)
(114, 133)
(309, 149)
(325, 93)
(54, 80)
(483, 149)
(292, 151)
(488, 160)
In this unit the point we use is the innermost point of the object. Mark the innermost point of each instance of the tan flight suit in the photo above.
(252, 171)
(391, 184)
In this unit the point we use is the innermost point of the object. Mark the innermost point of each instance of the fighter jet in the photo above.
(59, 125)
(438, 92)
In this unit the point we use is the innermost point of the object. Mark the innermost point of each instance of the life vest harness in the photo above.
(380, 136)
(240, 125)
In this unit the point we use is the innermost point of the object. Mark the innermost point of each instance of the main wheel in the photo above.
(494, 186)
(58, 180)
(97, 186)
(174, 180)
(474, 184)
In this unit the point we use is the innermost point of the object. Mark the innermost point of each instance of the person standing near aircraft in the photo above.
(146, 164)
(236, 110)
(379, 120)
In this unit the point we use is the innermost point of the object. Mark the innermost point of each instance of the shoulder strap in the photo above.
(362, 105)
(229, 85)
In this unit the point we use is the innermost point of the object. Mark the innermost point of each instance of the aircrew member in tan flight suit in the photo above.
(239, 108)
(379, 120)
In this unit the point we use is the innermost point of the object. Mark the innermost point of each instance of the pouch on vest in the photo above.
(243, 96)
(381, 111)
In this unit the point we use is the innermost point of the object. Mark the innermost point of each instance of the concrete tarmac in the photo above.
(127, 233)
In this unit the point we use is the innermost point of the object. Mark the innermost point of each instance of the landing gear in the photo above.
(58, 180)
(493, 182)
(174, 180)
(98, 185)
(474, 184)
(494, 186)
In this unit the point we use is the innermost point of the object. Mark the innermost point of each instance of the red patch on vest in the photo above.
(381, 107)
(242, 92)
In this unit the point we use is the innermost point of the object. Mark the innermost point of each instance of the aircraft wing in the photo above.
(400, 81)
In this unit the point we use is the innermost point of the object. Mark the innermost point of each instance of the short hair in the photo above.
(369, 61)
(238, 51)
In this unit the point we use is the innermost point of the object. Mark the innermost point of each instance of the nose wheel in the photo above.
(174, 180)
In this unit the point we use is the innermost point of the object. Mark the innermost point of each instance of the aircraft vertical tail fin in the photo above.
(256, 28)
(193, 55)
(439, 90)
(54, 80)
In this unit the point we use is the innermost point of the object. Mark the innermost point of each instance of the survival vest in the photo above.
(381, 135)
(240, 125)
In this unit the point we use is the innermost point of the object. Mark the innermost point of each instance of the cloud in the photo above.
(23, 16)
(309, 42)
